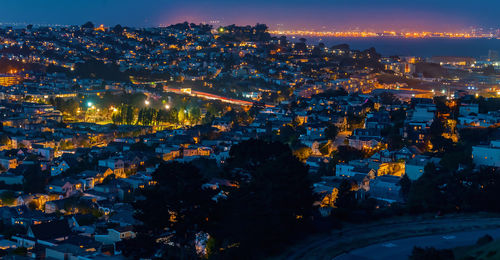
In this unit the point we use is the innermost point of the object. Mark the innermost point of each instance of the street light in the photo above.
(146, 102)
(167, 106)
(89, 104)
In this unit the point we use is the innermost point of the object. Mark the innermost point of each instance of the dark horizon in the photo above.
(339, 15)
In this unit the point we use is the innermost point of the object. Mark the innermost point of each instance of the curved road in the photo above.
(402, 248)
(367, 239)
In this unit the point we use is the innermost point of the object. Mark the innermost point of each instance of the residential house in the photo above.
(414, 168)
(115, 235)
(115, 164)
(58, 168)
(8, 162)
(487, 155)
(466, 109)
(57, 230)
(363, 138)
(386, 188)
(67, 186)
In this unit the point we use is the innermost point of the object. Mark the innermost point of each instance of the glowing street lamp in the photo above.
(146, 102)
(89, 104)
(167, 107)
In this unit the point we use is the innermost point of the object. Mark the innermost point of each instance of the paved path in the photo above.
(402, 248)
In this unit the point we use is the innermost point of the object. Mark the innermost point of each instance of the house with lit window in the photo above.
(363, 138)
(315, 131)
(58, 168)
(386, 188)
(115, 235)
(487, 155)
(66, 186)
(414, 168)
(49, 233)
(196, 151)
(115, 164)
(47, 153)
(467, 109)
(168, 152)
(419, 120)
(8, 163)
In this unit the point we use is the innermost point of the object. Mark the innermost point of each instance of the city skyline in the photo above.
(330, 15)
(161, 129)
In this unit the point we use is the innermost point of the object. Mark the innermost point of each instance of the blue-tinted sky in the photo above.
(317, 14)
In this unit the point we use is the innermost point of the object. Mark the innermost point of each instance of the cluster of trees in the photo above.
(392, 134)
(7, 66)
(65, 106)
(130, 109)
(100, 70)
(124, 115)
(233, 33)
(128, 114)
(441, 190)
(268, 205)
(455, 184)
(488, 104)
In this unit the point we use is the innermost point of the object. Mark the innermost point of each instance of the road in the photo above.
(402, 248)
(206, 95)
(339, 140)
(364, 236)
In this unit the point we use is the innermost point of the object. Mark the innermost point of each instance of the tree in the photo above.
(176, 205)
(346, 196)
(129, 115)
(345, 154)
(88, 25)
(301, 45)
(427, 194)
(436, 131)
(405, 184)
(8, 198)
(387, 98)
(118, 29)
(269, 209)
(302, 153)
(288, 135)
(459, 155)
(4, 139)
(324, 148)
(343, 46)
(441, 106)
(34, 180)
(331, 132)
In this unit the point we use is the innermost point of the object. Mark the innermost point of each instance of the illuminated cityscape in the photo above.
(464, 35)
(249, 130)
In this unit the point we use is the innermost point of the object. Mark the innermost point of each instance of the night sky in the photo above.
(305, 14)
